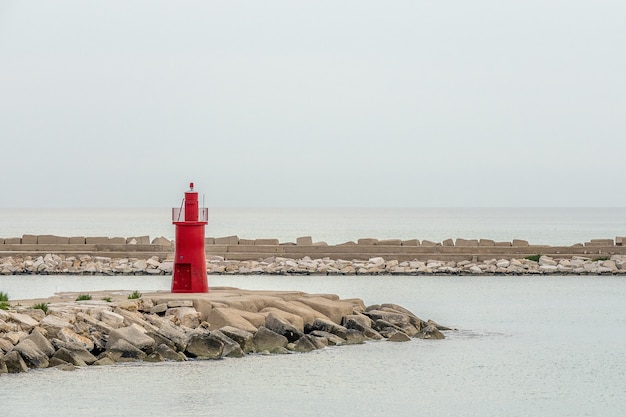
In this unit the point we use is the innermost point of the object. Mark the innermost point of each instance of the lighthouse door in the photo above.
(182, 275)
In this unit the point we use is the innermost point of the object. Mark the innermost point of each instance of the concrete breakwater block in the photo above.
(177, 327)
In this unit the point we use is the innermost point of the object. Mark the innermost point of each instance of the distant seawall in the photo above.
(234, 248)
(33, 254)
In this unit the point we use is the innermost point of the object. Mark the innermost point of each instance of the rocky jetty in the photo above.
(110, 327)
(276, 265)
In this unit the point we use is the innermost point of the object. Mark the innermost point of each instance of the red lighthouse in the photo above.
(190, 260)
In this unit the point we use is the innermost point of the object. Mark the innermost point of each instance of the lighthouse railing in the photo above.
(178, 215)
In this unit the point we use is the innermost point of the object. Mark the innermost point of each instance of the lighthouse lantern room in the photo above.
(189, 273)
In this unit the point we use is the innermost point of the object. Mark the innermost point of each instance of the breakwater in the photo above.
(70, 331)
(46, 254)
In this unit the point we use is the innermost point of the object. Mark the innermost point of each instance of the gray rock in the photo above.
(3, 365)
(399, 337)
(52, 324)
(354, 337)
(15, 363)
(175, 335)
(243, 337)
(282, 327)
(331, 339)
(231, 348)
(123, 351)
(430, 332)
(170, 354)
(34, 357)
(133, 334)
(68, 356)
(306, 343)
(327, 326)
(41, 342)
(265, 339)
(205, 346)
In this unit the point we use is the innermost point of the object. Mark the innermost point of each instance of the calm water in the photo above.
(526, 346)
(554, 226)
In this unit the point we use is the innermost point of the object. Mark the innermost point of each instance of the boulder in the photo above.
(327, 326)
(175, 335)
(25, 321)
(244, 338)
(185, 316)
(68, 335)
(34, 357)
(123, 351)
(15, 363)
(306, 343)
(399, 337)
(221, 317)
(267, 340)
(112, 319)
(331, 339)
(394, 317)
(283, 327)
(205, 346)
(41, 342)
(73, 357)
(231, 347)
(133, 334)
(3, 365)
(430, 332)
(333, 309)
(170, 354)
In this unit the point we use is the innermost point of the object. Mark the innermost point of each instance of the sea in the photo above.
(522, 346)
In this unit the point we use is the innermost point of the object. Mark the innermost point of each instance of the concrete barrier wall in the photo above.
(231, 247)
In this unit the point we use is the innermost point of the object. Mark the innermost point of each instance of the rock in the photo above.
(231, 347)
(327, 326)
(15, 363)
(221, 317)
(430, 332)
(265, 339)
(123, 351)
(25, 322)
(305, 344)
(393, 317)
(175, 335)
(41, 342)
(331, 339)
(244, 338)
(68, 335)
(112, 319)
(333, 309)
(170, 354)
(186, 316)
(205, 346)
(354, 337)
(399, 337)
(282, 327)
(68, 356)
(34, 357)
(133, 334)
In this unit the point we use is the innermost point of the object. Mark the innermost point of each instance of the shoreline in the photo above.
(119, 326)
(61, 264)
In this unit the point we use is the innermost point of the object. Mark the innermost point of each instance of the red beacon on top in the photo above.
(189, 273)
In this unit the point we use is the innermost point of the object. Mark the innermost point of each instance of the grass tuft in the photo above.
(83, 297)
(136, 294)
(4, 301)
(41, 306)
(533, 258)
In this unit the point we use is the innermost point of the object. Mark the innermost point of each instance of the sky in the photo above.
(313, 103)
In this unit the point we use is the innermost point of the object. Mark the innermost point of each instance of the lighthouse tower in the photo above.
(190, 261)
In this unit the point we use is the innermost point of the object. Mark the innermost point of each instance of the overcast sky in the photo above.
(313, 103)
